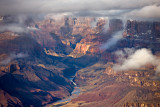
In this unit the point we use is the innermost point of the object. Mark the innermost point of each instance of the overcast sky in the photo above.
(149, 9)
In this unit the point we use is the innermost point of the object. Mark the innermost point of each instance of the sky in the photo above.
(143, 9)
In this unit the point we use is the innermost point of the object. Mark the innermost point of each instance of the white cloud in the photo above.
(138, 59)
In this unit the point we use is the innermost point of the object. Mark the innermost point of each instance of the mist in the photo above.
(112, 41)
(13, 28)
(122, 9)
(106, 26)
(94, 23)
(18, 24)
(122, 54)
(147, 13)
(16, 28)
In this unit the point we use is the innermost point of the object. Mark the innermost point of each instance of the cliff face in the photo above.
(142, 34)
(91, 43)
(143, 29)
(137, 34)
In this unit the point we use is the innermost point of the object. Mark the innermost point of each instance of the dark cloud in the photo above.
(102, 13)
(114, 8)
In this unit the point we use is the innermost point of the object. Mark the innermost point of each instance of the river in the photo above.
(74, 94)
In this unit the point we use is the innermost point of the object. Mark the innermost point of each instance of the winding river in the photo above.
(74, 93)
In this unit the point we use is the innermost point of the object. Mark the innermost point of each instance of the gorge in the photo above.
(41, 67)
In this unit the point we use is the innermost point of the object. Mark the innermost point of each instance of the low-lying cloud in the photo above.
(12, 57)
(94, 23)
(19, 24)
(123, 54)
(13, 28)
(137, 59)
(16, 28)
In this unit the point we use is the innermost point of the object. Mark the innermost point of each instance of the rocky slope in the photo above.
(32, 85)
(101, 86)
(27, 75)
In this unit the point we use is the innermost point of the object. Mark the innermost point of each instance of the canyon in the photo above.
(35, 66)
